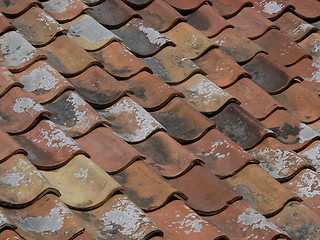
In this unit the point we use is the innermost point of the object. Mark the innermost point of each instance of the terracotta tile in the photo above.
(47, 218)
(303, 103)
(271, 9)
(220, 68)
(312, 154)
(142, 40)
(167, 156)
(6, 224)
(202, 197)
(315, 126)
(308, 9)
(241, 221)
(18, 111)
(185, 5)
(17, 52)
(83, 185)
(7, 80)
(204, 95)
(222, 156)
(16, 7)
(160, 16)
(290, 131)
(21, 183)
(9, 146)
(67, 57)
(88, 33)
(64, 11)
(278, 160)
(37, 26)
(281, 48)
(251, 24)
(117, 219)
(73, 115)
(130, 121)
(207, 20)
(236, 45)
(119, 62)
(189, 40)
(145, 187)
(112, 13)
(149, 91)
(298, 221)
(47, 145)
(253, 98)
(268, 74)
(98, 87)
(240, 126)
(5, 25)
(311, 45)
(110, 153)
(229, 8)
(171, 65)
(294, 27)
(260, 190)
(43, 82)
(178, 221)
(9, 234)
(182, 121)
(137, 3)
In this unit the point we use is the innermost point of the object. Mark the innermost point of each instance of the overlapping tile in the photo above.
(5, 25)
(137, 3)
(185, 5)
(7, 80)
(308, 9)
(9, 147)
(312, 154)
(311, 45)
(271, 9)
(10, 234)
(229, 8)
(16, 7)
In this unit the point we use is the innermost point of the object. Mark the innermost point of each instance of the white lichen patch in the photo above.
(313, 155)
(306, 133)
(315, 74)
(26, 105)
(302, 27)
(82, 174)
(128, 219)
(58, 6)
(48, 21)
(153, 36)
(271, 7)
(3, 219)
(307, 184)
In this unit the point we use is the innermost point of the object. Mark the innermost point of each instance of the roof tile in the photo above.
(185, 5)
(271, 9)
(9, 146)
(311, 45)
(230, 8)
(5, 25)
(308, 9)
(10, 234)
(16, 7)
(7, 80)
(312, 154)
(137, 3)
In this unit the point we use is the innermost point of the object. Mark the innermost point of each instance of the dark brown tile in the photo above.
(312, 154)
(271, 9)
(47, 145)
(73, 115)
(240, 126)
(185, 5)
(110, 153)
(7, 80)
(16, 7)
(202, 197)
(182, 121)
(167, 156)
(229, 8)
(9, 146)
(311, 45)
(5, 25)
(309, 9)
(220, 68)
(221, 156)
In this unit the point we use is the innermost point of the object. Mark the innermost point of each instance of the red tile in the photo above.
(271, 9)
(137, 3)
(311, 45)
(229, 8)
(312, 154)
(10, 234)
(308, 9)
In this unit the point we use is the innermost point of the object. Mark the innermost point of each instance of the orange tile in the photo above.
(10, 234)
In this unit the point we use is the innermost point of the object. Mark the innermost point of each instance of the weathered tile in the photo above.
(204, 95)
(66, 10)
(118, 61)
(285, 51)
(73, 115)
(8, 146)
(241, 221)
(7, 80)
(18, 111)
(271, 9)
(149, 91)
(278, 160)
(37, 26)
(5, 25)
(240, 126)
(253, 98)
(315, 126)
(98, 87)
(21, 183)
(289, 130)
(47, 145)
(178, 221)
(312, 154)
(221, 156)
(16, 7)
(47, 218)
(260, 190)
(182, 121)
(229, 8)
(171, 65)
(88, 33)
(160, 16)
(110, 152)
(220, 68)
(167, 156)
(189, 40)
(145, 187)
(17, 52)
(82, 184)
(312, 45)
(294, 27)
(298, 221)
(43, 82)
(236, 45)
(308, 9)
(117, 219)
(130, 121)
(112, 13)
(202, 197)
(142, 40)
(208, 21)
(67, 57)
(9, 234)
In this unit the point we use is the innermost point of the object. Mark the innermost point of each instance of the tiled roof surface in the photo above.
(160, 119)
